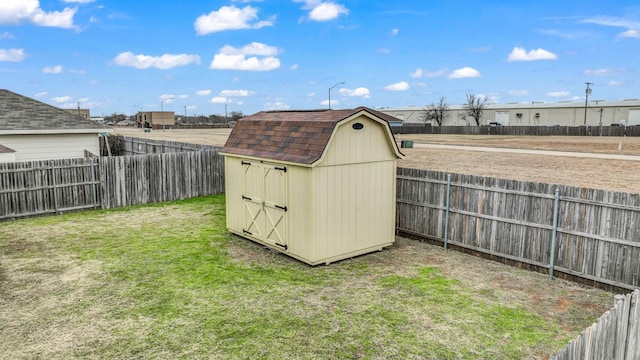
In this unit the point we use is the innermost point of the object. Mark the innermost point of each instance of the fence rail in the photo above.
(520, 130)
(596, 236)
(615, 336)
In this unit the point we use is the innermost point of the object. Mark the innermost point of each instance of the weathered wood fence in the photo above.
(137, 146)
(615, 336)
(47, 187)
(592, 235)
(520, 130)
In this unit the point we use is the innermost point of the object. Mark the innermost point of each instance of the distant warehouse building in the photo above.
(599, 112)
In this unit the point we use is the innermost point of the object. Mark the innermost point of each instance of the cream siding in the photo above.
(339, 207)
(48, 147)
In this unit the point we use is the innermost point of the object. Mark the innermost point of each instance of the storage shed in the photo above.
(317, 185)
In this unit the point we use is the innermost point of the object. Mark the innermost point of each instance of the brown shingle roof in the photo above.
(292, 136)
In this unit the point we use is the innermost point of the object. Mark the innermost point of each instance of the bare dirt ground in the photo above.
(606, 174)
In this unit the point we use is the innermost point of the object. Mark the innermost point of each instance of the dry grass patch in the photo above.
(168, 281)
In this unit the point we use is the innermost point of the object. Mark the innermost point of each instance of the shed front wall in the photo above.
(349, 146)
(49, 147)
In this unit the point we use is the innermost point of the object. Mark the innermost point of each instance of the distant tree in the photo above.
(436, 112)
(475, 107)
(236, 115)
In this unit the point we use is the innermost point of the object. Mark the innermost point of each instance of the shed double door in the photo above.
(265, 202)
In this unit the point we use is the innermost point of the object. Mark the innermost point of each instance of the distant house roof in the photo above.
(23, 115)
(5, 150)
(293, 136)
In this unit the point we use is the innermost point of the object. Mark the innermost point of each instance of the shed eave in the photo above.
(267, 160)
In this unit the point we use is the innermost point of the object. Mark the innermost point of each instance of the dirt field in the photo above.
(607, 174)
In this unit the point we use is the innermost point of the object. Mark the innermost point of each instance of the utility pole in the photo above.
(586, 99)
(340, 83)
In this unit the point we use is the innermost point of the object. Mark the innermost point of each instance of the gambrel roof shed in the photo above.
(318, 185)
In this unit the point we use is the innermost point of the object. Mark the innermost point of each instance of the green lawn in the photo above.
(168, 281)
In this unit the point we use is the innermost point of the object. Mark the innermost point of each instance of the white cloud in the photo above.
(17, 12)
(7, 35)
(358, 92)
(230, 58)
(278, 105)
(323, 10)
(311, 94)
(167, 98)
(518, 92)
(399, 86)
(164, 62)
(219, 100)
(230, 18)
(630, 34)
(558, 93)
(422, 73)
(602, 72)
(206, 92)
(394, 32)
(52, 69)
(62, 99)
(13, 55)
(521, 54)
(632, 27)
(40, 94)
(295, 67)
(78, 1)
(615, 83)
(465, 72)
(78, 72)
(183, 96)
(417, 74)
(228, 93)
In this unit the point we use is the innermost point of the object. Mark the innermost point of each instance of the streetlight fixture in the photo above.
(162, 110)
(340, 83)
(586, 98)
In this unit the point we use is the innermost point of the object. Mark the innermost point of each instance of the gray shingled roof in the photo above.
(20, 113)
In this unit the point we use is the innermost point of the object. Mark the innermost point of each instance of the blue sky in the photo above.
(123, 56)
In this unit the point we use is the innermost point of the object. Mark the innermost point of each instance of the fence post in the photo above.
(552, 256)
(94, 184)
(55, 191)
(446, 216)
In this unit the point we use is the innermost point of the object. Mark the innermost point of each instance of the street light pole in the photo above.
(586, 99)
(162, 110)
(340, 83)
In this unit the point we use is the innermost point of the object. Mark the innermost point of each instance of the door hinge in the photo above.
(246, 198)
(283, 246)
(281, 168)
(245, 163)
(246, 232)
(281, 207)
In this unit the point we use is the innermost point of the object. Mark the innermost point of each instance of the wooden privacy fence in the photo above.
(144, 179)
(520, 130)
(589, 234)
(48, 187)
(615, 336)
(45, 187)
(137, 146)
